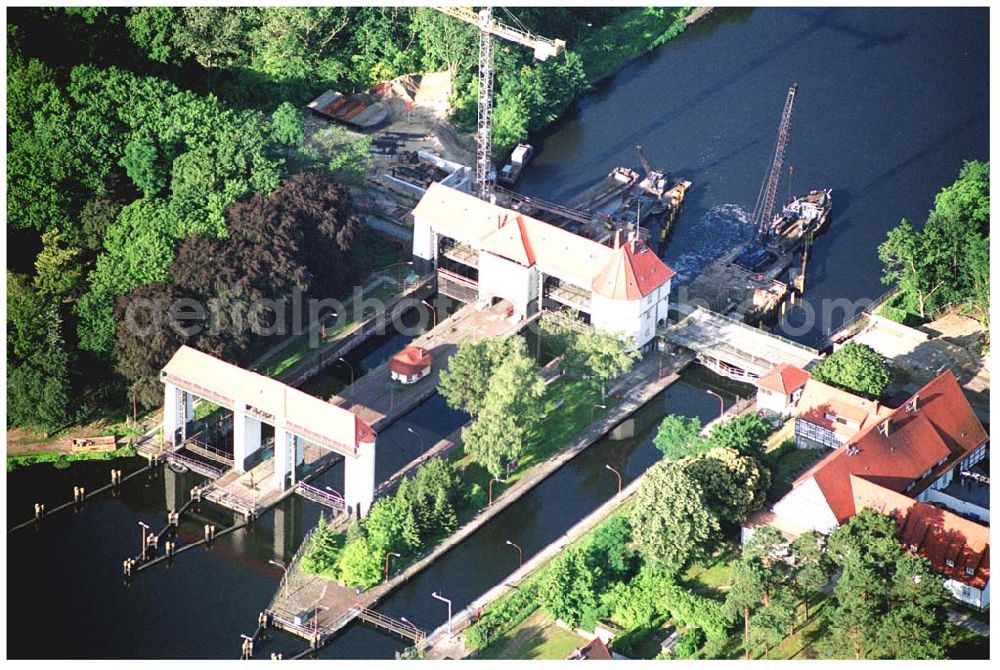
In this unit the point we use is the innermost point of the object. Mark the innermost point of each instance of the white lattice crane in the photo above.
(488, 27)
(769, 189)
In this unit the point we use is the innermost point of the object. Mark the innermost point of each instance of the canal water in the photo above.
(890, 102)
(68, 572)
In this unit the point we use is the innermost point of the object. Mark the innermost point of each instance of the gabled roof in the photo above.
(938, 535)
(511, 241)
(919, 440)
(633, 271)
(784, 379)
(595, 650)
(275, 403)
(410, 360)
(850, 413)
(626, 273)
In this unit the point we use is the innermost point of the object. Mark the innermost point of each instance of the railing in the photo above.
(387, 622)
(330, 499)
(205, 469)
(209, 452)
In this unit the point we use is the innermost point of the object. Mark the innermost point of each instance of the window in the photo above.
(913, 548)
(969, 570)
(950, 563)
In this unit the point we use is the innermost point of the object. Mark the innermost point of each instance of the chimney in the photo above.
(912, 405)
(886, 427)
(618, 238)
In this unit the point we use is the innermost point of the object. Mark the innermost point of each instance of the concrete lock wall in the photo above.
(359, 479)
(246, 439)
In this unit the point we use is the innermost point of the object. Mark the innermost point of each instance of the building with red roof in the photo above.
(826, 416)
(410, 365)
(485, 252)
(780, 389)
(912, 453)
(956, 547)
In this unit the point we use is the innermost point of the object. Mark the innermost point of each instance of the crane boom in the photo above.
(769, 190)
(488, 27)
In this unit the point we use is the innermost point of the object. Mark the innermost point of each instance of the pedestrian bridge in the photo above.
(732, 348)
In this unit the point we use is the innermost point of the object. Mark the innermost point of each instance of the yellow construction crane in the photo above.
(488, 27)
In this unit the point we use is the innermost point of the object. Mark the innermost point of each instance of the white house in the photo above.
(780, 389)
(486, 253)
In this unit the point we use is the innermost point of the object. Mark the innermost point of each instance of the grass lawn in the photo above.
(633, 32)
(537, 637)
(567, 409)
(787, 464)
(300, 346)
(711, 578)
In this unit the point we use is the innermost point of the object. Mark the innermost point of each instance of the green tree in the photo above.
(446, 43)
(855, 367)
(746, 434)
(509, 408)
(811, 573)
(37, 363)
(933, 266)
(568, 589)
(152, 30)
(747, 587)
(734, 485)
(671, 523)
(359, 564)
(679, 436)
(288, 126)
(143, 166)
(57, 269)
(772, 622)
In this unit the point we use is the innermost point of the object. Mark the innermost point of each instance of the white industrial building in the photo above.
(484, 253)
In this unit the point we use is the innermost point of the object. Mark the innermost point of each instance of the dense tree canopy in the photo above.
(679, 436)
(855, 367)
(672, 524)
(948, 259)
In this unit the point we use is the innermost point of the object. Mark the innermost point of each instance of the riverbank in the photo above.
(631, 35)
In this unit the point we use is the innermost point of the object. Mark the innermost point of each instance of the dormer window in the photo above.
(950, 563)
(969, 570)
(913, 548)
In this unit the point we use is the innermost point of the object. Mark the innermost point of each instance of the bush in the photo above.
(689, 644)
(503, 614)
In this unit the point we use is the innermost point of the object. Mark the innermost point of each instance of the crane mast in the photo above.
(488, 27)
(769, 189)
(484, 133)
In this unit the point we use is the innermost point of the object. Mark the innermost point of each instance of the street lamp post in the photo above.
(722, 404)
(409, 623)
(143, 529)
(284, 579)
(490, 502)
(389, 555)
(433, 311)
(349, 367)
(618, 474)
(520, 554)
(444, 600)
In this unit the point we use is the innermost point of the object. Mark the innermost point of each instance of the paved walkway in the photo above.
(968, 622)
(379, 401)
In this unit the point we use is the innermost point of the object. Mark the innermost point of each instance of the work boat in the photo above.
(803, 216)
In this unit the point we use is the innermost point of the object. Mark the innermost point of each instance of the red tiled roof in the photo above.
(938, 535)
(626, 273)
(410, 361)
(784, 379)
(362, 431)
(820, 400)
(595, 650)
(633, 271)
(917, 442)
